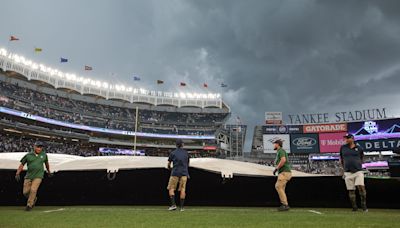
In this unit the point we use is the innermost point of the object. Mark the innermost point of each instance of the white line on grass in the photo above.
(315, 212)
(60, 209)
(165, 209)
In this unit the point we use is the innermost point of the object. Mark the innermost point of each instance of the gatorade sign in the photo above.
(325, 128)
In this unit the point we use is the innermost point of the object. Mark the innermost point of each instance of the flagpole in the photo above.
(230, 141)
(9, 44)
(9, 47)
(237, 139)
(136, 125)
(243, 137)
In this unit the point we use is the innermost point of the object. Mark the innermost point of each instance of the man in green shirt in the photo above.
(34, 173)
(284, 176)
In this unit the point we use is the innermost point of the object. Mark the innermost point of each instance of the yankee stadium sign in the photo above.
(350, 116)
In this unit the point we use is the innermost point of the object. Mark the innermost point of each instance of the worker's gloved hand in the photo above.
(17, 177)
(275, 171)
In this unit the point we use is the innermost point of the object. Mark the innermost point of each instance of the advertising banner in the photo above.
(373, 130)
(209, 148)
(273, 118)
(282, 129)
(325, 128)
(380, 144)
(304, 143)
(331, 142)
(106, 150)
(269, 139)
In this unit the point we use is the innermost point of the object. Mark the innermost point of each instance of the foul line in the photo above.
(165, 209)
(61, 209)
(315, 212)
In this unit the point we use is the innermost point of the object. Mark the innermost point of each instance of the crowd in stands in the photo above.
(332, 167)
(10, 143)
(327, 167)
(104, 116)
(18, 143)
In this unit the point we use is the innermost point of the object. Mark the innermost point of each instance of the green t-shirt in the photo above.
(280, 154)
(35, 164)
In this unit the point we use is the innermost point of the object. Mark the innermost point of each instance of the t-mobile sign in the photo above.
(331, 142)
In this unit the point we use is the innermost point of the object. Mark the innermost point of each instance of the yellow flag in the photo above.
(38, 50)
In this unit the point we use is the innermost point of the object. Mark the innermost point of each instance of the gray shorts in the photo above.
(354, 179)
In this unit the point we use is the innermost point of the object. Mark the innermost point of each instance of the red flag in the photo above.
(13, 38)
(183, 84)
(88, 68)
(205, 85)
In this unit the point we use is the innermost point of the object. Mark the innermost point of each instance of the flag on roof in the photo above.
(13, 38)
(88, 68)
(205, 85)
(224, 85)
(38, 50)
(183, 84)
(136, 78)
(160, 82)
(63, 60)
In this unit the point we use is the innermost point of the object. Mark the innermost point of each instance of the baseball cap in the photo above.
(348, 136)
(179, 142)
(39, 144)
(279, 142)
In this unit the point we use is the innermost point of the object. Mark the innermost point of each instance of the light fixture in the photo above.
(100, 84)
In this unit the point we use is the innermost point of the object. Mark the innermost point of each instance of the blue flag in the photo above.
(136, 78)
(63, 60)
(224, 85)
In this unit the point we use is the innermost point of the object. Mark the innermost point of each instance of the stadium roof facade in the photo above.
(33, 71)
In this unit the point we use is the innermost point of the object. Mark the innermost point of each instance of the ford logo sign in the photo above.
(304, 142)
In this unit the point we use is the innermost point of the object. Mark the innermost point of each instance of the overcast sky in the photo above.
(297, 56)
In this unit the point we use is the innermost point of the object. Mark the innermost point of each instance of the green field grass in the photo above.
(124, 216)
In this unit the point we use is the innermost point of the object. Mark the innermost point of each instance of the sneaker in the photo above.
(28, 208)
(364, 207)
(182, 209)
(172, 208)
(283, 208)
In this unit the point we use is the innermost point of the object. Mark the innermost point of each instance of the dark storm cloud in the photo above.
(291, 56)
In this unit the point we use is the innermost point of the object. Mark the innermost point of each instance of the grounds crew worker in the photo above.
(179, 174)
(351, 158)
(34, 174)
(284, 176)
